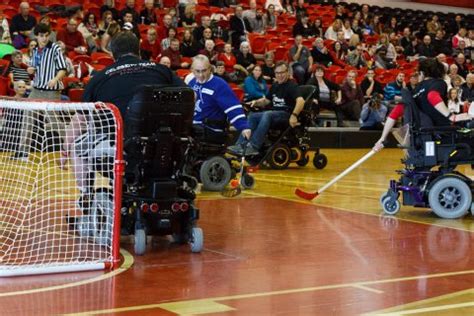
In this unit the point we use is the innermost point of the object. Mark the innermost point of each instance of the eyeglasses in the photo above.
(281, 72)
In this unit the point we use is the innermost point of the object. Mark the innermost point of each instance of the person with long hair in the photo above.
(188, 47)
(112, 30)
(89, 30)
(270, 17)
(328, 94)
(255, 86)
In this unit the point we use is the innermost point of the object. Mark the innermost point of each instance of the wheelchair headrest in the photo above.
(155, 107)
(413, 114)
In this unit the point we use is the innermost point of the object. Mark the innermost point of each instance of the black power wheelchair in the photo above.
(158, 198)
(285, 145)
(429, 178)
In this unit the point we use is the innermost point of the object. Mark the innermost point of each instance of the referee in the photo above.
(49, 67)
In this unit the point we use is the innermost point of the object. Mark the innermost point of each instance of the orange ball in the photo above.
(234, 183)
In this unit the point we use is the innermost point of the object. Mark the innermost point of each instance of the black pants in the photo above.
(332, 107)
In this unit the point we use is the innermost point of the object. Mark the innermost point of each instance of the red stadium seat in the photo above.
(281, 53)
(239, 93)
(105, 60)
(75, 94)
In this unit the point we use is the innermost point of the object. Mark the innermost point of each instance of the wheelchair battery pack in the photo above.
(162, 189)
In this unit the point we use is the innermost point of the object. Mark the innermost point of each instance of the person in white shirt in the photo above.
(276, 3)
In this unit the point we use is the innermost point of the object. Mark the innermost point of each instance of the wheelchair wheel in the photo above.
(303, 161)
(450, 197)
(197, 239)
(247, 181)
(279, 157)
(140, 242)
(390, 205)
(320, 161)
(215, 173)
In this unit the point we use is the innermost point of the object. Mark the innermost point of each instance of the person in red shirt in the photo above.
(72, 38)
(150, 47)
(228, 58)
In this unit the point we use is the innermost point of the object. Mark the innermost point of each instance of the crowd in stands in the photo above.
(359, 57)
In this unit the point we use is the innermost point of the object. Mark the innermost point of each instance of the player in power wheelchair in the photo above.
(285, 144)
(429, 178)
(158, 198)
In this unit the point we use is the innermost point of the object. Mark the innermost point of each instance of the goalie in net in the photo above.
(57, 216)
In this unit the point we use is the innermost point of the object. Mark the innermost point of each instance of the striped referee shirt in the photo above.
(48, 61)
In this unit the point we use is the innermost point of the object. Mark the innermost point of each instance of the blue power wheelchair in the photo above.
(429, 178)
(158, 197)
(285, 145)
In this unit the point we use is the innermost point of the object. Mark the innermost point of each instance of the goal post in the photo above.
(61, 167)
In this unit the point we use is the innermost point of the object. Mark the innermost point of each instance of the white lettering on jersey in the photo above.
(207, 91)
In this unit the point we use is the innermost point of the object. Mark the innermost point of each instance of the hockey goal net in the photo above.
(60, 186)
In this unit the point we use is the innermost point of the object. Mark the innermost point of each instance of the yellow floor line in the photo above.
(431, 309)
(127, 263)
(417, 304)
(273, 293)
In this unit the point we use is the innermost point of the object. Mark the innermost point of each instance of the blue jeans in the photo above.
(261, 122)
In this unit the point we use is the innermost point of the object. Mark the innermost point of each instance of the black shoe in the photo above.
(22, 156)
(235, 149)
(251, 151)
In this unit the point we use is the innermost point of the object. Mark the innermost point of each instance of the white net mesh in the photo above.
(56, 184)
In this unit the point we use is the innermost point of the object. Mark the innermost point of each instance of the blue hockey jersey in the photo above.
(215, 100)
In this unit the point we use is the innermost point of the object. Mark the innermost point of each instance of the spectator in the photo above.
(353, 42)
(17, 70)
(301, 58)
(405, 39)
(130, 8)
(148, 14)
(5, 36)
(220, 71)
(28, 55)
(370, 86)
(259, 24)
(460, 36)
(426, 49)
(228, 58)
(165, 25)
(381, 60)
(356, 57)
(188, 20)
(128, 25)
(239, 27)
(21, 25)
(454, 103)
(255, 86)
(392, 26)
(338, 54)
(206, 35)
(165, 43)
(251, 13)
(378, 27)
(460, 61)
(114, 28)
(393, 90)
(347, 29)
(90, 31)
(20, 89)
(413, 82)
(355, 26)
(331, 32)
(340, 12)
(440, 45)
(165, 61)
(268, 68)
(318, 27)
(328, 94)
(468, 89)
(391, 54)
(303, 27)
(288, 6)
(107, 18)
(210, 52)
(352, 97)
(72, 38)
(245, 59)
(462, 49)
(373, 114)
(276, 5)
(150, 48)
(188, 48)
(411, 51)
(198, 31)
(270, 17)
(109, 5)
(433, 26)
(300, 8)
(174, 55)
(174, 17)
(321, 54)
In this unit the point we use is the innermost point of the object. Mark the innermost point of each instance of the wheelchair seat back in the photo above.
(158, 121)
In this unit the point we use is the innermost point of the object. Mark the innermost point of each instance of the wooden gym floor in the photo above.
(268, 253)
